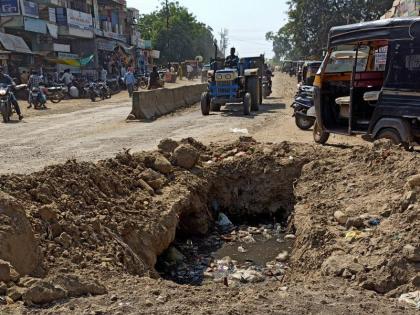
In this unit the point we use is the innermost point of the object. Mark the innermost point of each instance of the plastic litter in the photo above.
(354, 235)
(238, 130)
(374, 222)
(241, 249)
(224, 223)
(412, 298)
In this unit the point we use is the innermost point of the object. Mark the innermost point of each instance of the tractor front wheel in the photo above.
(253, 89)
(205, 103)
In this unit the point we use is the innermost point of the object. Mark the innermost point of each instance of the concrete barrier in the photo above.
(152, 104)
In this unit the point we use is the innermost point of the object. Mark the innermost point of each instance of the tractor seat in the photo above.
(344, 103)
(372, 96)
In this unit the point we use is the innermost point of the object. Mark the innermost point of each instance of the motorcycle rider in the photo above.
(7, 80)
(268, 74)
(35, 80)
(232, 60)
(154, 79)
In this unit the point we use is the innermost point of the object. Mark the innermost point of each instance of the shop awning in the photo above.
(14, 43)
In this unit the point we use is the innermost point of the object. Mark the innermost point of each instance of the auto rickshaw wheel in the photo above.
(393, 135)
(320, 135)
(205, 103)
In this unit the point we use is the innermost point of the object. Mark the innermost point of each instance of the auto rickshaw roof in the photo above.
(406, 28)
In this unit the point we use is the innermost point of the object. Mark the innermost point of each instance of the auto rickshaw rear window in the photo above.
(404, 66)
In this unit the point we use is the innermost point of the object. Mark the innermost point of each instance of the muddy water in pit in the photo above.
(259, 253)
(246, 250)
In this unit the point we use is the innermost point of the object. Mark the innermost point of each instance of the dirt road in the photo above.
(100, 131)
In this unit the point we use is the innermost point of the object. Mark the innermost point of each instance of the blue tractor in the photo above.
(242, 84)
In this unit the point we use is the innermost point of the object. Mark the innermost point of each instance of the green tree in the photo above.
(306, 33)
(177, 33)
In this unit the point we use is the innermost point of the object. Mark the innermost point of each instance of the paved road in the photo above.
(100, 132)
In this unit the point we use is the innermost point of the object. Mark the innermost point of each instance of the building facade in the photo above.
(53, 35)
(403, 8)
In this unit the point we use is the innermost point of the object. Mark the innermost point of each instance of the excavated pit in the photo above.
(124, 215)
(247, 210)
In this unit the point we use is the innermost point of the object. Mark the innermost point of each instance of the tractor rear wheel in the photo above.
(205, 103)
(254, 89)
(247, 104)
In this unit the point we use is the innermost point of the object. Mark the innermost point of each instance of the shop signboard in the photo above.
(64, 55)
(80, 33)
(408, 8)
(51, 15)
(106, 45)
(115, 36)
(155, 54)
(9, 7)
(61, 47)
(79, 19)
(30, 9)
(147, 44)
(35, 25)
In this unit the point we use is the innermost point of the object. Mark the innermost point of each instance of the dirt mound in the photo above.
(117, 216)
(367, 186)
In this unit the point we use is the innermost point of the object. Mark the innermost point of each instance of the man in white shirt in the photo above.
(104, 75)
(67, 78)
(190, 70)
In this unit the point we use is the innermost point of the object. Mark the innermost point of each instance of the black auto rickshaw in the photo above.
(375, 90)
(309, 70)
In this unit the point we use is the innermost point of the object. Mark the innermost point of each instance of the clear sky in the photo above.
(247, 20)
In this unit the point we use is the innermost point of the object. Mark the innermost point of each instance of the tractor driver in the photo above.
(232, 60)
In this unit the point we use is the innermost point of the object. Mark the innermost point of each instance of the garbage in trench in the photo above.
(412, 298)
(242, 254)
(238, 130)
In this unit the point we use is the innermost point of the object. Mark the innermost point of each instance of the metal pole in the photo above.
(353, 79)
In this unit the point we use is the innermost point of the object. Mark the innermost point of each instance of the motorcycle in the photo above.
(93, 90)
(5, 102)
(303, 106)
(266, 87)
(106, 91)
(113, 85)
(142, 82)
(55, 93)
(37, 98)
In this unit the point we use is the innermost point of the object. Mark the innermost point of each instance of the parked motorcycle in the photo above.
(106, 91)
(303, 105)
(37, 98)
(114, 86)
(55, 93)
(5, 102)
(94, 90)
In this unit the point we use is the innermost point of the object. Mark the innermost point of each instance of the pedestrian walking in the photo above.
(130, 80)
